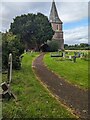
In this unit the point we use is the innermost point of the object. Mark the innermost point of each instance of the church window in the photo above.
(57, 27)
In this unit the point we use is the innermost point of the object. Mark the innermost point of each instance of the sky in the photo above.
(74, 16)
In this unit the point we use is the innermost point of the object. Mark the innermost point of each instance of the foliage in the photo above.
(11, 44)
(33, 100)
(82, 46)
(53, 45)
(34, 29)
(0, 51)
(76, 73)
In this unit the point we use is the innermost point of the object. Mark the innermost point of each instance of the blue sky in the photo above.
(73, 14)
(79, 23)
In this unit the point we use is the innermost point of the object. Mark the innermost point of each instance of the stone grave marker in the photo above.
(81, 56)
(70, 57)
(10, 68)
(63, 54)
(6, 92)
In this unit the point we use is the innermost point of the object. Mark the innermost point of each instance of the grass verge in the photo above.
(33, 100)
(75, 73)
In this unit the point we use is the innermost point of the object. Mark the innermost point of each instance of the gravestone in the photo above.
(9, 77)
(63, 54)
(4, 86)
(79, 54)
(70, 57)
(6, 93)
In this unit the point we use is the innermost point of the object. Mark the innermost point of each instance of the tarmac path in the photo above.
(73, 97)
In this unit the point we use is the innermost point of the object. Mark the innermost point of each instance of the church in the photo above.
(56, 26)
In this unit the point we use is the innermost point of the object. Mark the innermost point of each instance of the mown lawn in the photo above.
(75, 73)
(33, 100)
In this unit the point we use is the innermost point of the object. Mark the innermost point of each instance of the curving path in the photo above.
(73, 97)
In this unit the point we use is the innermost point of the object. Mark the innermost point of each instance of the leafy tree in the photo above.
(53, 45)
(82, 46)
(33, 29)
(65, 46)
(11, 44)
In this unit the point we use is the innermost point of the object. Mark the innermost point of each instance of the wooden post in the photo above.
(10, 68)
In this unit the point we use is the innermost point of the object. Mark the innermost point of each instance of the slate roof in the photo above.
(54, 14)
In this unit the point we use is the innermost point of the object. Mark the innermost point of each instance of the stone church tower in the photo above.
(57, 26)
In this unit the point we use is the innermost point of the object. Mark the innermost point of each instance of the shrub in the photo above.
(11, 44)
(53, 45)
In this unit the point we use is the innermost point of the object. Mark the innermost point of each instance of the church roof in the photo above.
(54, 14)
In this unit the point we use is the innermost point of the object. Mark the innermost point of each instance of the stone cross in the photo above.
(10, 68)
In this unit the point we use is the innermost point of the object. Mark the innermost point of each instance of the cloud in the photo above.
(76, 36)
(68, 13)
(45, 0)
(12, 9)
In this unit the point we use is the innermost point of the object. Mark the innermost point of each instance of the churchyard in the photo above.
(32, 100)
(73, 72)
(38, 82)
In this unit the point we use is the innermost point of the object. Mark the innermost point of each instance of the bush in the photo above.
(53, 45)
(11, 44)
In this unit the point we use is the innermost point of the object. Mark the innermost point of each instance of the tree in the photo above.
(33, 29)
(53, 45)
(82, 46)
(11, 44)
(65, 46)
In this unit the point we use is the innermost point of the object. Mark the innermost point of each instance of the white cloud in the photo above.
(12, 9)
(68, 12)
(45, 0)
(76, 36)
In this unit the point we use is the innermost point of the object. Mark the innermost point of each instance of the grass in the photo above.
(75, 73)
(33, 100)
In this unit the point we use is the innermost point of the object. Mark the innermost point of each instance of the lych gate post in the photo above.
(9, 76)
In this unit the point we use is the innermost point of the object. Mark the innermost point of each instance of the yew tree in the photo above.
(33, 29)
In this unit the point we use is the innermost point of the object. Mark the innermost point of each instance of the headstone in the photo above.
(4, 86)
(10, 68)
(70, 57)
(81, 56)
(63, 54)
(6, 92)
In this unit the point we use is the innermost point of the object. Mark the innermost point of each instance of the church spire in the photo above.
(54, 14)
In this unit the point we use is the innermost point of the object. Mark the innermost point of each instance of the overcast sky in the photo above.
(73, 14)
